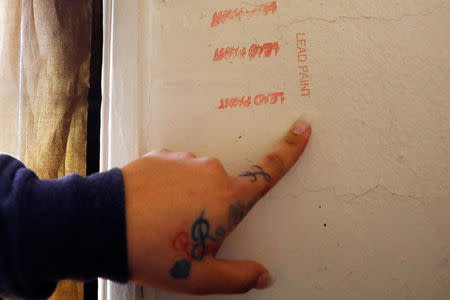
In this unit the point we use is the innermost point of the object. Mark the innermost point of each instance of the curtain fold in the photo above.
(44, 83)
(10, 15)
(55, 55)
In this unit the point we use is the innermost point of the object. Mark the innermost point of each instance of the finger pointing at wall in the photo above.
(180, 208)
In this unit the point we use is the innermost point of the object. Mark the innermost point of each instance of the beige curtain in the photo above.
(44, 81)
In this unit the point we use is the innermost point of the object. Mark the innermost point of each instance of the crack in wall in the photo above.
(377, 187)
(363, 17)
(380, 187)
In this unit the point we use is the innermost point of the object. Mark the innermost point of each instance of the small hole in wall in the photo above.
(320, 206)
(325, 225)
(240, 137)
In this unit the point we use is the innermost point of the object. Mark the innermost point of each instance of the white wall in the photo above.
(376, 171)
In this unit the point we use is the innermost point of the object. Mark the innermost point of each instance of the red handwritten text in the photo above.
(303, 70)
(253, 51)
(221, 17)
(260, 99)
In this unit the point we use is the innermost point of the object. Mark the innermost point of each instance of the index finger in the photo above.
(270, 168)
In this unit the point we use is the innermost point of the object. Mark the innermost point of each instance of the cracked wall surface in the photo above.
(365, 213)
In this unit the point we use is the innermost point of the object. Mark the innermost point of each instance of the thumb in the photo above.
(233, 276)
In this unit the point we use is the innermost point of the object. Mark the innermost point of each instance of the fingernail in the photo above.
(264, 281)
(300, 127)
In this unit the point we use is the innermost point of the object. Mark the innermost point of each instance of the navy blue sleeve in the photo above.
(50, 230)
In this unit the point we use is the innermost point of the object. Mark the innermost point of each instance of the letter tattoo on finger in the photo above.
(257, 172)
(238, 211)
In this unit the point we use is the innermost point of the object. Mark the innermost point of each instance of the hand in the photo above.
(180, 208)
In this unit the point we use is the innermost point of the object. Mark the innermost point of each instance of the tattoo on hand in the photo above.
(181, 269)
(254, 175)
(195, 247)
(220, 232)
(200, 234)
(238, 211)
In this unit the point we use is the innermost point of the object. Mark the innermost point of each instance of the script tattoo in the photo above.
(194, 247)
(238, 211)
(254, 175)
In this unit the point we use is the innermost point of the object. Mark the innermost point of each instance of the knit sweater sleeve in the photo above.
(68, 228)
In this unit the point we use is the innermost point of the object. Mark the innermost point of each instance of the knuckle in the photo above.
(186, 154)
(212, 162)
(213, 166)
(157, 151)
(275, 161)
(190, 154)
(148, 154)
(160, 150)
(290, 142)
